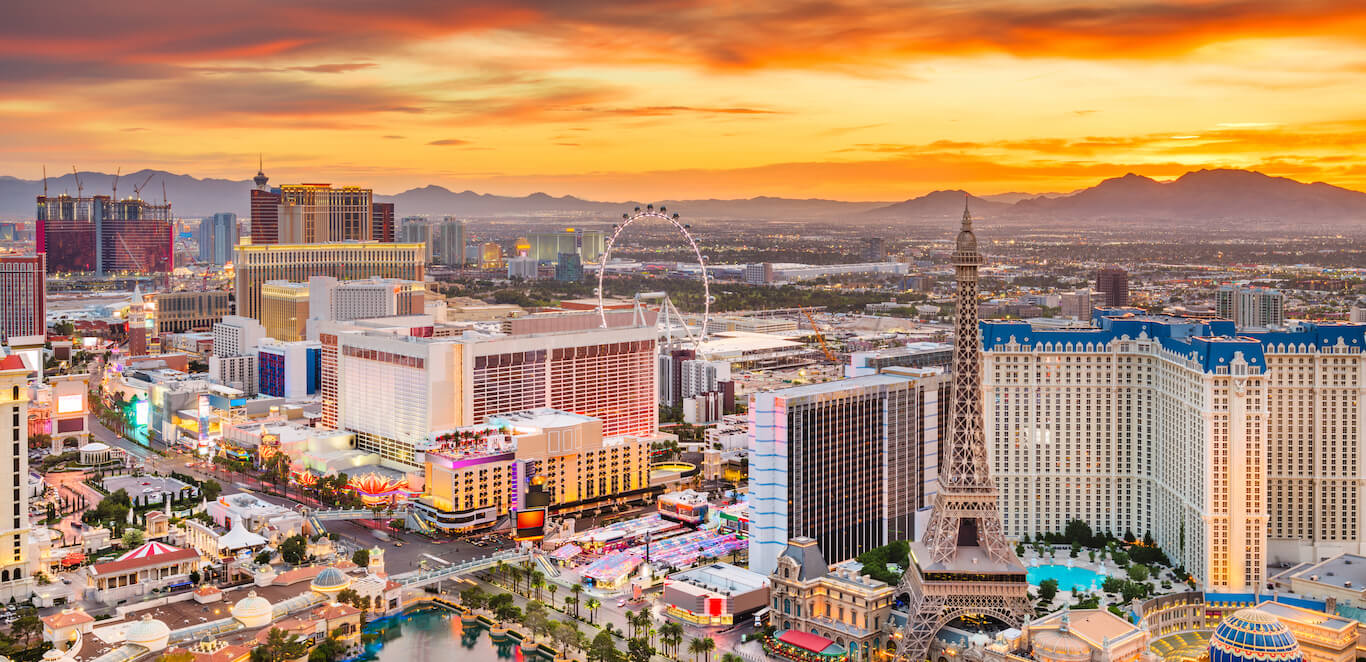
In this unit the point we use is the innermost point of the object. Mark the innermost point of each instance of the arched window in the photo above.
(18, 572)
(787, 606)
(4, 576)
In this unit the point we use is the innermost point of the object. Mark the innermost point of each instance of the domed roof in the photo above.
(1251, 635)
(94, 447)
(147, 632)
(1060, 645)
(330, 578)
(252, 605)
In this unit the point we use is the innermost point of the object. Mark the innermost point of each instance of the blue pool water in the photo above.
(1068, 578)
(435, 635)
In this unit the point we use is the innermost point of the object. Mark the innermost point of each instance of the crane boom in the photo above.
(820, 338)
(137, 190)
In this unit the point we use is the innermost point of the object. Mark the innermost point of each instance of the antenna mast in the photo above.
(44, 180)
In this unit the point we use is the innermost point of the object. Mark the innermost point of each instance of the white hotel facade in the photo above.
(1234, 450)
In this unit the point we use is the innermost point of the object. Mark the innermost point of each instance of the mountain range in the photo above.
(1202, 195)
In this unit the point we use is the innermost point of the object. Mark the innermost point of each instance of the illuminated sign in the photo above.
(716, 606)
(531, 524)
(141, 411)
(68, 404)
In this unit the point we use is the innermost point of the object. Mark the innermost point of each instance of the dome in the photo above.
(94, 447)
(253, 611)
(1251, 635)
(330, 580)
(148, 633)
(1060, 646)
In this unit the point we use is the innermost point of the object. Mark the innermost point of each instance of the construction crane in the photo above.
(116, 183)
(77, 175)
(820, 338)
(137, 190)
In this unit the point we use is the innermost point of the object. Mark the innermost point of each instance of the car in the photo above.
(66, 580)
(621, 602)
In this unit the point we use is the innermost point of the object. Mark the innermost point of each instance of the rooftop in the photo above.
(1342, 571)
(722, 578)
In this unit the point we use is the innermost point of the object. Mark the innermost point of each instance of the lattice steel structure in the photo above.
(963, 564)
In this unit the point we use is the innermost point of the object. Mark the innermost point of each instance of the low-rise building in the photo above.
(715, 594)
(837, 603)
(152, 566)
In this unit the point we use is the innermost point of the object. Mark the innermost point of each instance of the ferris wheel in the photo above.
(662, 214)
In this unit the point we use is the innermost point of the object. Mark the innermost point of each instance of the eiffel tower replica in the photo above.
(963, 565)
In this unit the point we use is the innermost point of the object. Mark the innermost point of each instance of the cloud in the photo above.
(392, 137)
(449, 142)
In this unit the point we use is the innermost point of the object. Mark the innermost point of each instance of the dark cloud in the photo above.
(449, 142)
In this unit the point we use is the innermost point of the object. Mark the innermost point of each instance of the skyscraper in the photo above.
(265, 211)
(217, 238)
(847, 463)
(1251, 306)
(382, 222)
(320, 213)
(102, 236)
(874, 250)
(451, 249)
(395, 388)
(14, 491)
(1113, 285)
(420, 231)
(255, 264)
(23, 291)
(1234, 448)
(569, 268)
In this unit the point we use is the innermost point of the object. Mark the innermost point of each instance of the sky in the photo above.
(677, 99)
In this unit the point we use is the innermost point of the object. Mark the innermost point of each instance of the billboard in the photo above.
(70, 404)
(530, 524)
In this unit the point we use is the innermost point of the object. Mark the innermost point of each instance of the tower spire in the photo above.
(962, 564)
(967, 215)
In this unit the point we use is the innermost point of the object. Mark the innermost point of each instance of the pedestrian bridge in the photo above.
(420, 578)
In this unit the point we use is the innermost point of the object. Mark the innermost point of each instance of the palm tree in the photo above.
(576, 590)
(708, 645)
(640, 621)
(571, 600)
(552, 587)
(501, 568)
(592, 605)
(696, 647)
(732, 657)
(537, 581)
(671, 634)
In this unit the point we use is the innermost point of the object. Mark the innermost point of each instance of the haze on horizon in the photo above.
(846, 99)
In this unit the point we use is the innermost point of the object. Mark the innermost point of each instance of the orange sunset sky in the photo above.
(850, 99)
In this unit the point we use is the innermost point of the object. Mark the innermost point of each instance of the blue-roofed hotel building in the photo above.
(1234, 448)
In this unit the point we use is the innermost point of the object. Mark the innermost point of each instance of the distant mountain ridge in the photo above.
(1195, 196)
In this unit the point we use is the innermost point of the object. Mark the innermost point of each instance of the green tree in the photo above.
(132, 538)
(279, 647)
(603, 649)
(696, 647)
(1048, 589)
(592, 605)
(210, 489)
(638, 650)
(27, 626)
(1120, 558)
(1112, 585)
(328, 650)
(1076, 549)
(473, 597)
(552, 587)
(361, 557)
(1139, 572)
(294, 549)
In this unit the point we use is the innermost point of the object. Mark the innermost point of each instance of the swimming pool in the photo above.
(1068, 578)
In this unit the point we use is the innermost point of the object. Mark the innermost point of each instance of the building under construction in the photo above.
(103, 236)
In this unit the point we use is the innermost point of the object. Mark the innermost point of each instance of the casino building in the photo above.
(1233, 448)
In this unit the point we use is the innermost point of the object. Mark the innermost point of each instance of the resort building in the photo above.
(847, 463)
(426, 385)
(1234, 449)
(477, 474)
(715, 594)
